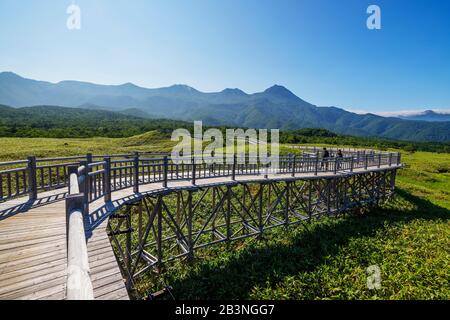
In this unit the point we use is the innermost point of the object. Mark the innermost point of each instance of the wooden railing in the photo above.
(110, 173)
(79, 285)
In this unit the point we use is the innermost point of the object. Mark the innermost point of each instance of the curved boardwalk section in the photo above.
(147, 206)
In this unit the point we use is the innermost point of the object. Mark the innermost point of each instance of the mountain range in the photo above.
(276, 107)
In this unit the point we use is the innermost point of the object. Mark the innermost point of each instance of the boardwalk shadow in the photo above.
(8, 210)
(269, 264)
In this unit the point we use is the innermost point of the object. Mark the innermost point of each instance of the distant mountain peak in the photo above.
(280, 91)
(182, 87)
(234, 91)
(130, 85)
(10, 75)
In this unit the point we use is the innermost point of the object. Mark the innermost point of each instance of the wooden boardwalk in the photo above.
(33, 254)
(33, 238)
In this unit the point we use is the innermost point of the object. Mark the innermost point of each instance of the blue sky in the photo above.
(319, 49)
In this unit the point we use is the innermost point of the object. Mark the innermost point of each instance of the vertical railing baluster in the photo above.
(166, 169)
(8, 180)
(317, 165)
(42, 178)
(16, 174)
(85, 186)
(294, 163)
(233, 174)
(57, 174)
(107, 179)
(136, 173)
(25, 185)
(193, 170)
(32, 178)
(1, 186)
(50, 182)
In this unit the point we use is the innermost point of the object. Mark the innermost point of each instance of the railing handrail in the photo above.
(30, 176)
(79, 284)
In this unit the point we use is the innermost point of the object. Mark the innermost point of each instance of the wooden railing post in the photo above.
(107, 179)
(88, 185)
(335, 165)
(136, 173)
(398, 158)
(390, 159)
(379, 160)
(32, 181)
(266, 170)
(89, 158)
(293, 165)
(71, 170)
(193, 170)
(317, 166)
(366, 161)
(233, 174)
(351, 164)
(166, 170)
(85, 186)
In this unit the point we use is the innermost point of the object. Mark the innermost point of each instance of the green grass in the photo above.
(21, 148)
(408, 238)
(329, 259)
(427, 176)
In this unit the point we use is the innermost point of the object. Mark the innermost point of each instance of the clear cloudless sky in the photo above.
(319, 49)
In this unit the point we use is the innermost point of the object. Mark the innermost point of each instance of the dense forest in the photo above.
(322, 136)
(61, 122)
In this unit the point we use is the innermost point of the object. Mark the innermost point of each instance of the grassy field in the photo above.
(407, 238)
(21, 148)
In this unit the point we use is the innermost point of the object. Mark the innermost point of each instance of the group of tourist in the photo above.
(326, 156)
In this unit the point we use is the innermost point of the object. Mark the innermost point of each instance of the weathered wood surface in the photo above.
(33, 251)
(33, 254)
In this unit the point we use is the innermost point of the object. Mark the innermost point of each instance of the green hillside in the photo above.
(61, 122)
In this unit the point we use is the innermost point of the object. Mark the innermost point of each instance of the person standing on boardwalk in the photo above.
(339, 157)
(325, 156)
